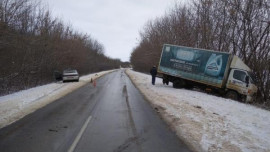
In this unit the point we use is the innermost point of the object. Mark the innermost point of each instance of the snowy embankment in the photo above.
(206, 122)
(15, 106)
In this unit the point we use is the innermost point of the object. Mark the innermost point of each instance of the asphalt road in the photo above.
(111, 117)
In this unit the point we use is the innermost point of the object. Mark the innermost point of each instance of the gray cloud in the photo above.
(114, 23)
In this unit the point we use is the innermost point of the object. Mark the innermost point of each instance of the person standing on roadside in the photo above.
(153, 72)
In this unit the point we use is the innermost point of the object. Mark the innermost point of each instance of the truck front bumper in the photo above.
(250, 98)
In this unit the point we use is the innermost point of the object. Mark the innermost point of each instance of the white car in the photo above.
(70, 75)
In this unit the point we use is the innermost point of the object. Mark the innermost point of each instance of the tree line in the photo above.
(241, 27)
(33, 45)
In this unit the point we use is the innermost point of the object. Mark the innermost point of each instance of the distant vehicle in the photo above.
(70, 75)
(214, 71)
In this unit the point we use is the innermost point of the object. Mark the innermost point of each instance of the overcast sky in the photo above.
(114, 23)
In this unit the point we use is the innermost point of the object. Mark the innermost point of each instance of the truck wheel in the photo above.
(179, 83)
(232, 95)
(189, 86)
(165, 81)
(175, 84)
(182, 83)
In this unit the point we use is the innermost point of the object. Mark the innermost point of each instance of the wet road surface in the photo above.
(113, 116)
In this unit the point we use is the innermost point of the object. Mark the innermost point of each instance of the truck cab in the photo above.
(241, 82)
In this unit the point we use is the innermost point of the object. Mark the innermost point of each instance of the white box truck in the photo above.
(213, 71)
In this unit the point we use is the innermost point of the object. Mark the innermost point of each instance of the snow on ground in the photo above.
(15, 106)
(206, 122)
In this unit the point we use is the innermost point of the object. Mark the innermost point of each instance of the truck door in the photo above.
(237, 81)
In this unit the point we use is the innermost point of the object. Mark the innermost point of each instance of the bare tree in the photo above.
(33, 44)
(241, 27)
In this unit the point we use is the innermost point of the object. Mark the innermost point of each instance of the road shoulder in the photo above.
(207, 122)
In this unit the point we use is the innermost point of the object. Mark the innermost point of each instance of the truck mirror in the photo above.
(247, 80)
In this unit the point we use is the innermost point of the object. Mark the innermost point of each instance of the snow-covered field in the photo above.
(206, 122)
(17, 105)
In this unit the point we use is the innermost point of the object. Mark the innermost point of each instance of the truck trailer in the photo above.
(212, 71)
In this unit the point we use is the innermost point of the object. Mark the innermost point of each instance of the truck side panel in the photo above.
(203, 66)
